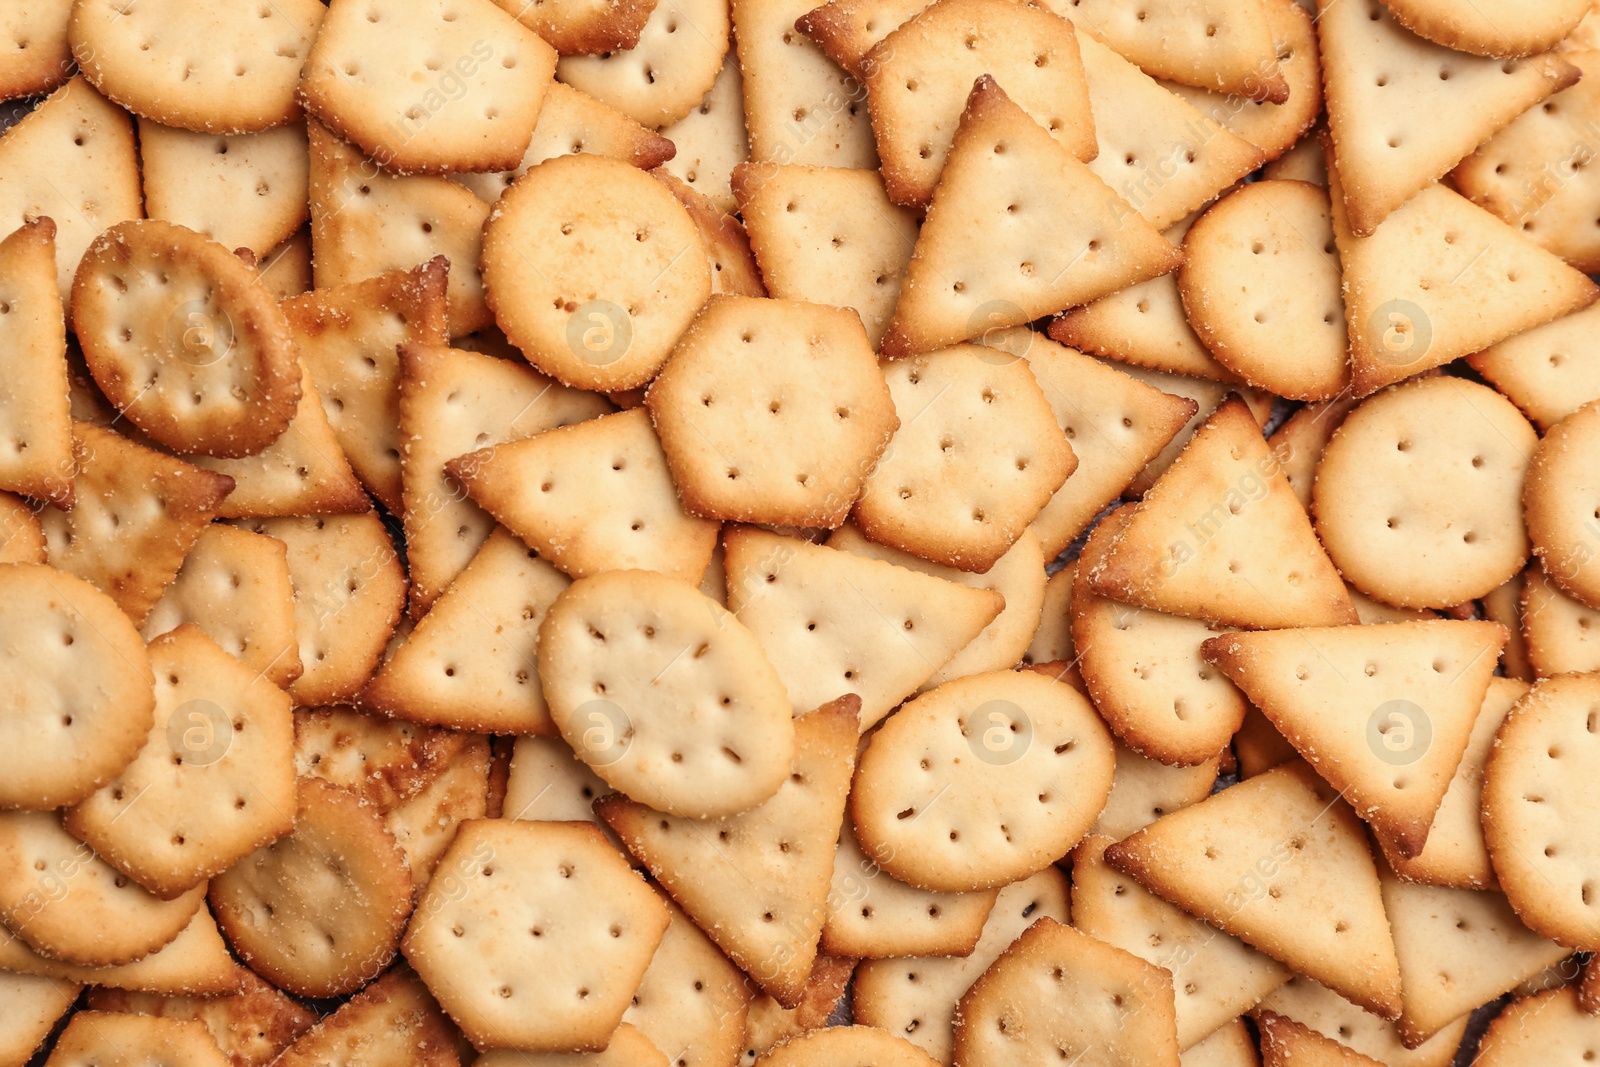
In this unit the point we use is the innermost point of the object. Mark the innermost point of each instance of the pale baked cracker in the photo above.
(1285, 1042)
(1223, 45)
(32, 1006)
(799, 106)
(38, 55)
(593, 294)
(827, 235)
(916, 997)
(769, 1023)
(106, 1039)
(1258, 746)
(1302, 163)
(286, 270)
(660, 79)
(1549, 371)
(394, 1022)
(1327, 1013)
(733, 265)
(1391, 144)
(1058, 992)
(21, 535)
(1560, 501)
(320, 911)
(626, 1047)
(1280, 863)
(1504, 606)
(470, 663)
(1052, 641)
(691, 1003)
(584, 26)
(637, 521)
(245, 190)
(1539, 1029)
(840, 1044)
(1299, 440)
(1236, 259)
(711, 139)
(1514, 29)
(993, 253)
(366, 222)
(848, 29)
(221, 69)
(348, 336)
(452, 402)
(1230, 1045)
(349, 591)
(1214, 976)
(918, 80)
(1143, 790)
(35, 423)
(427, 87)
(1418, 492)
(1162, 155)
(1561, 633)
(546, 781)
(757, 883)
(196, 962)
(1383, 712)
(72, 159)
(1209, 396)
(251, 1026)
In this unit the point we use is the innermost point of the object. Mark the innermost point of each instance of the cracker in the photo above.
(577, 27)
(1280, 863)
(39, 55)
(367, 222)
(1001, 774)
(1162, 155)
(1057, 992)
(827, 235)
(1223, 45)
(1213, 976)
(1209, 396)
(916, 997)
(1504, 606)
(816, 399)
(770, 1023)
(691, 1003)
(1384, 89)
(230, 70)
(69, 904)
(934, 494)
(1560, 631)
(625, 1048)
(286, 270)
(470, 663)
(35, 422)
(1393, 484)
(571, 121)
(839, 1044)
(1559, 503)
(1538, 847)
(1549, 371)
(196, 962)
(757, 883)
(320, 911)
(799, 106)
(1018, 576)
(1222, 536)
(1285, 1042)
(1228, 1046)
(386, 763)
(348, 335)
(104, 1039)
(1235, 260)
(349, 591)
(21, 535)
(1304, 162)
(183, 341)
(1538, 1029)
(733, 264)
(547, 782)
(1259, 746)
(1327, 1013)
(428, 87)
(832, 622)
(660, 79)
(72, 159)
(848, 29)
(594, 296)
(1052, 641)
(1301, 438)
(637, 521)
(1143, 790)
(565, 914)
(452, 402)
(992, 253)
(250, 1027)
(32, 1007)
(391, 1023)
(711, 139)
(1517, 29)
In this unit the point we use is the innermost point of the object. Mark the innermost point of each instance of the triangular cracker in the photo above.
(1320, 1009)
(847, 29)
(834, 623)
(35, 421)
(711, 139)
(757, 883)
(1388, 93)
(1286, 1043)
(1222, 536)
(1549, 371)
(544, 490)
(1281, 863)
(692, 1001)
(993, 253)
(1224, 45)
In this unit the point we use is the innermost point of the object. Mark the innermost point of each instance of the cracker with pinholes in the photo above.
(32, 1006)
(251, 1026)
(1418, 495)
(1560, 633)
(534, 913)
(184, 341)
(661, 78)
(42, 57)
(848, 29)
(195, 963)
(219, 68)
(69, 904)
(1535, 1029)
(711, 139)
(1235, 258)
(665, 694)
(428, 87)
(321, 910)
(1549, 371)
(1560, 500)
(1222, 45)
(772, 411)
(547, 490)
(1143, 790)
(594, 295)
(94, 1038)
(691, 999)
(35, 423)
(1002, 773)
(244, 190)
(1325, 1012)
(579, 27)
(393, 1021)
(1517, 29)
(965, 476)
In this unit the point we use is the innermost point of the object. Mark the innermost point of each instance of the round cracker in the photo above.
(1561, 502)
(594, 292)
(666, 74)
(1418, 494)
(319, 912)
(183, 339)
(833, 1045)
(1515, 27)
(78, 693)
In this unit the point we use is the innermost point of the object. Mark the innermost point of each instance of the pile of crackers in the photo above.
(678, 532)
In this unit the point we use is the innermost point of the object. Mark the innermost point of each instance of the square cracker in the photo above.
(35, 421)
